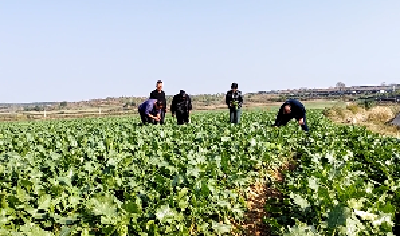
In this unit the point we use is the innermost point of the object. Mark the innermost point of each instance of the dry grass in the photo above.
(380, 114)
(354, 108)
(375, 119)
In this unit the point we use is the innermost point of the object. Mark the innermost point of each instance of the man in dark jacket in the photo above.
(181, 106)
(234, 101)
(150, 111)
(289, 110)
(159, 94)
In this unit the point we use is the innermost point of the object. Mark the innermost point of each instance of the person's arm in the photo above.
(228, 99)
(189, 103)
(240, 99)
(164, 101)
(149, 109)
(173, 106)
(279, 117)
(302, 115)
(303, 111)
(158, 114)
(299, 110)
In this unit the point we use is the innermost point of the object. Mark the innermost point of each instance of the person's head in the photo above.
(234, 87)
(158, 104)
(182, 93)
(287, 109)
(159, 85)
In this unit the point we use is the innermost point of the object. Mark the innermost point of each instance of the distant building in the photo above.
(335, 91)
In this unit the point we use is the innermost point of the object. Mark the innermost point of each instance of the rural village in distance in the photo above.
(125, 105)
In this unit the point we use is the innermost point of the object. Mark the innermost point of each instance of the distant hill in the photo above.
(29, 104)
(218, 99)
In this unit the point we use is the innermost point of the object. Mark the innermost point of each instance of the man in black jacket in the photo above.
(234, 101)
(181, 106)
(289, 110)
(159, 94)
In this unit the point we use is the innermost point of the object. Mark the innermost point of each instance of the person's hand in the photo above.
(301, 121)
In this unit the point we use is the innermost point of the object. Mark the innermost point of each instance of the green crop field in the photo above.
(109, 176)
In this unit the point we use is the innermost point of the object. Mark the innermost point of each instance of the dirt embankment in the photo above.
(376, 119)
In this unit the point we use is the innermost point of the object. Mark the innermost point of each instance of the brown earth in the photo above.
(253, 219)
(257, 197)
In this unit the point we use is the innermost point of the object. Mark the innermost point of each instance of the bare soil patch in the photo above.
(258, 194)
(253, 219)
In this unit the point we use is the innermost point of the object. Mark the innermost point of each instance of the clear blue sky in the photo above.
(78, 50)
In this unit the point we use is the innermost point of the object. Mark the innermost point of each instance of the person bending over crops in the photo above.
(289, 110)
(181, 106)
(150, 111)
(234, 101)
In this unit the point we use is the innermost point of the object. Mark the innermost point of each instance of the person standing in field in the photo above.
(181, 106)
(289, 110)
(234, 101)
(159, 94)
(150, 111)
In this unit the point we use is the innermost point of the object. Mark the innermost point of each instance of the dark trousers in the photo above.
(234, 115)
(286, 119)
(182, 118)
(145, 118)
(162, 118)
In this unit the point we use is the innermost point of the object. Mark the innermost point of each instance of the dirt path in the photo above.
(253, 224)
(258, 194)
